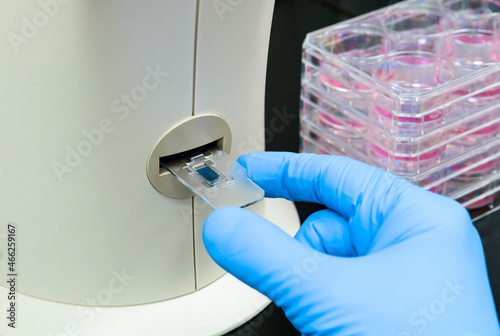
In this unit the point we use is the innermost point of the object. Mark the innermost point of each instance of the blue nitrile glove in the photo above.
(388, 259)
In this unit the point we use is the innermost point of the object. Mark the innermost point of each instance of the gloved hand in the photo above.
(387, 259)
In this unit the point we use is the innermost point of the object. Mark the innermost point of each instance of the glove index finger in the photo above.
(338, 182)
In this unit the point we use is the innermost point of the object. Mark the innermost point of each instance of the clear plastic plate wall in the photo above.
(413, 88)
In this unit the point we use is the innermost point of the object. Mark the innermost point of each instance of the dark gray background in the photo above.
(293, 19)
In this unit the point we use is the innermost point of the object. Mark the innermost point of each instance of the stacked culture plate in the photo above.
(414, 89)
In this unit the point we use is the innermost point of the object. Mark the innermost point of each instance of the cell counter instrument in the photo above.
(104, 102)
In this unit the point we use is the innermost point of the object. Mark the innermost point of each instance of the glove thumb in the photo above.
(257, 252)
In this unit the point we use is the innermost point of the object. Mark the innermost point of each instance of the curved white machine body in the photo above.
(214, 310)
(89, 88)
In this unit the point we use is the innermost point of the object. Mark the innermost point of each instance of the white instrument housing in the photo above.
(89, 88)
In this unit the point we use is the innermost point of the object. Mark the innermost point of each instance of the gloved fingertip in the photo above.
(219, 228)
(243, 159)
(328, 232)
